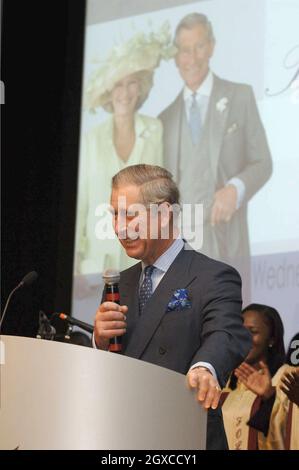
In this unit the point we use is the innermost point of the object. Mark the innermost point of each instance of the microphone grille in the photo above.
(111, 276)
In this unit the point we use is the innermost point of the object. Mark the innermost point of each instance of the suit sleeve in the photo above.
(225, 342)
(258, 159)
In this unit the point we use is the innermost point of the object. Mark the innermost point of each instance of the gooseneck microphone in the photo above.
(74, 321)
(111, 293)
(26, 281)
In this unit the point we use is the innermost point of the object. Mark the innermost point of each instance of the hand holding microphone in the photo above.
(110, 323)
(110, 320)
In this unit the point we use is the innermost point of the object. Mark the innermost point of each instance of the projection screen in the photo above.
(249, 137)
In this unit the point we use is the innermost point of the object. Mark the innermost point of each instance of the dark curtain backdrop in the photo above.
(41, 67)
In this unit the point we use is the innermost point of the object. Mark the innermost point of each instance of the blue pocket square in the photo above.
(179, 300)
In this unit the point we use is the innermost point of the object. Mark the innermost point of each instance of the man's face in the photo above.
(193, 56)
(128, 225)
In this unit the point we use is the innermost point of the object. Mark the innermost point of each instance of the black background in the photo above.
(41, 67)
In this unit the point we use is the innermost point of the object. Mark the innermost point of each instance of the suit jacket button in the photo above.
(162, 351)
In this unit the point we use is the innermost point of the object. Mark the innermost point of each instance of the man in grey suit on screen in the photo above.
(178, 308)
(215, 146)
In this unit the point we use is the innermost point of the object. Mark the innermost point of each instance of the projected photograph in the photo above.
(198, 88)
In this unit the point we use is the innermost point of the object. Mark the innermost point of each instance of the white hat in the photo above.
(142, 52)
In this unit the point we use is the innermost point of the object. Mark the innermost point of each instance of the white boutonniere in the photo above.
(222, 104)
(232, 128)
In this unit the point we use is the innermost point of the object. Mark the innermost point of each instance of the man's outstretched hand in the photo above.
(208, 389)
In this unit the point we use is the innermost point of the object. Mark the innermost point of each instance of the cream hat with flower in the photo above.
(142, 52)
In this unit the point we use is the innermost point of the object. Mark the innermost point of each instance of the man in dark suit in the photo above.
(215, 146)
(179, 309)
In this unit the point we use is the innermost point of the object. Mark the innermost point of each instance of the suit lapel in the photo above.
(177, 277)
(216, 120)
(129, 290)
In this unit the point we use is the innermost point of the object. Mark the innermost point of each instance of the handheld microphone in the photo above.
(26, 281)
(111, 279)
(74, 321)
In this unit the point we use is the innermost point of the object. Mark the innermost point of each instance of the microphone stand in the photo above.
(45, 330)
(26, 281)
(7, 302)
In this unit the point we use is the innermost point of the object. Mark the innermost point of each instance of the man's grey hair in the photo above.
(192, 20)
(155, 183)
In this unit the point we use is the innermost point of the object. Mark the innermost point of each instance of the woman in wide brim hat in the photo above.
(120, 86)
